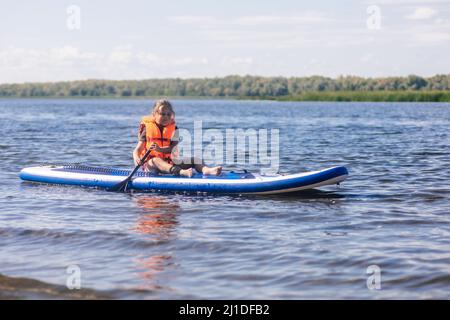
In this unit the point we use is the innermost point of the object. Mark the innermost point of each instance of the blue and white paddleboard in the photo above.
(227, 182)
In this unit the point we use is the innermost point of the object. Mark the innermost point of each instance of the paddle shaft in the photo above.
(121, 186)
(141, 162)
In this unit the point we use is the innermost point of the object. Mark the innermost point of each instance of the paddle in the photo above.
(122, 186)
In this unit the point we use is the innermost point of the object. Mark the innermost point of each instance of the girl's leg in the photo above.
(199, 166)
(166, 167)
(149, 167)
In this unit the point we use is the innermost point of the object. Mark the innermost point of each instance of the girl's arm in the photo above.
(137, 151)
(168, 149)
(141, 147)
(173, 144)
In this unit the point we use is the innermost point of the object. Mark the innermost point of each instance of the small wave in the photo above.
(421, 281)
(81, 237)
(439, 280)
(311, 194)
(25, 288)
(396, 222)
(430, 153)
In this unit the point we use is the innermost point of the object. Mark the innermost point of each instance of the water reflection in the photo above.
(158, 218)
(315, 195)
(157, 222)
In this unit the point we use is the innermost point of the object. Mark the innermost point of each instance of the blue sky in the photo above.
(139, 39)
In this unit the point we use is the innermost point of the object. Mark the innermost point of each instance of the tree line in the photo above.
(230, 86)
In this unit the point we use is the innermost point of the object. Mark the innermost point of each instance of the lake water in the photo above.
(393, 211)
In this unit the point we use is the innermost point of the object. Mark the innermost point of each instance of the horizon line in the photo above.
(223, 77)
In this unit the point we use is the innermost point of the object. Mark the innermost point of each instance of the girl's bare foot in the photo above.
(214, 171)
(186, 173)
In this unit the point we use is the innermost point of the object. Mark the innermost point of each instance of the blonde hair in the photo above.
(163, 103)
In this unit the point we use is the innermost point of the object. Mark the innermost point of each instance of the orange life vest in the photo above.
(154, 134)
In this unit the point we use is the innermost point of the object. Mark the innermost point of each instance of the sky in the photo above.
(57, 40)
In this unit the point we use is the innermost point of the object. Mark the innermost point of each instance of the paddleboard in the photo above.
(227, 182)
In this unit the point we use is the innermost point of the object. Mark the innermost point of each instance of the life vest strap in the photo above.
(158, 139)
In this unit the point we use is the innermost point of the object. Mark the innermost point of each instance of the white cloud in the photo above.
(153, 60)
(307, 17)
(200, 20)
(430, 37)
(53, 64)
(72, 63)
(404, 2)
(20, 58)
(257, 20)
(121, 55)
(241, 61)
(148, 59)
(434, 33)
(422, 13)
(367, 58)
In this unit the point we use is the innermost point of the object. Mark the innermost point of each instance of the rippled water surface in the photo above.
(393, 211)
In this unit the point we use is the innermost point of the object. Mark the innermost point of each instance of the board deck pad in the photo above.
(79, 168)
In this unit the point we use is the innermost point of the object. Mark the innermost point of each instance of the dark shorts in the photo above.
(184, 163)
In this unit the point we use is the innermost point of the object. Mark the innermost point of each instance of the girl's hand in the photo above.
(155, 147)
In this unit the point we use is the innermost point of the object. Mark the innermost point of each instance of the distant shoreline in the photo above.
(315, 88)
(345, 96)
(372, 96)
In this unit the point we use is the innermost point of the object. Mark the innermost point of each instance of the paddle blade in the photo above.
(123, 186)
(120, 187)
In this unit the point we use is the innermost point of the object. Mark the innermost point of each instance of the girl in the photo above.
(158, 132)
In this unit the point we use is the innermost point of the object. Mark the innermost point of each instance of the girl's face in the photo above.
(163, 116)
